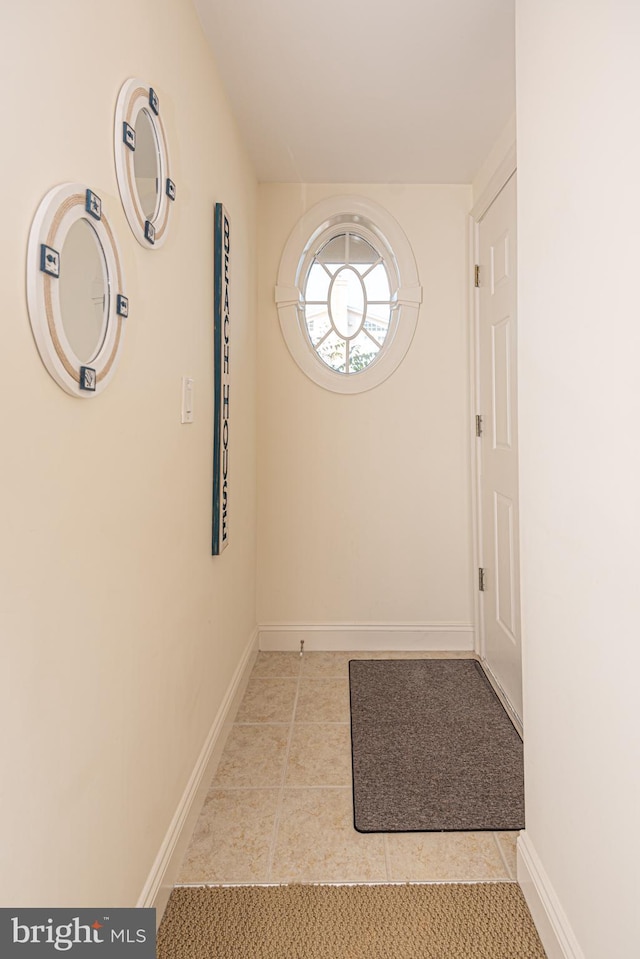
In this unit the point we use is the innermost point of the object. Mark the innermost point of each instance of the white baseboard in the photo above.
(548, 915)
(365, 637)
(164, 871)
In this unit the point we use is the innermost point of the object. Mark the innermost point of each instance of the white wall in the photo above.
(120, 633)
(578, 75)
(492, 173)
(364, 499)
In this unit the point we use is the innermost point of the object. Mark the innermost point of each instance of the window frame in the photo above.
(330, 217)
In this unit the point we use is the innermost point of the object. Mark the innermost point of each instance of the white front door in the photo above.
(498, 446)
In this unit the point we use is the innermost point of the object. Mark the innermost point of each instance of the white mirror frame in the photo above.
(331, 216)
(135, 96)
(63, 206)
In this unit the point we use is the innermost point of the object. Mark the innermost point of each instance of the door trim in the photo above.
(501, 176)
(506, 705)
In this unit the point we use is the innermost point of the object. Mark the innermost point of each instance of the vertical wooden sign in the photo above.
(221, 389)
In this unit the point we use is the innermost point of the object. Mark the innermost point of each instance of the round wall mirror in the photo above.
(75, 290)
(83, 290)
(146, 165)
(142, 163)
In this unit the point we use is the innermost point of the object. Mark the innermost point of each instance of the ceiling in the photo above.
(361, 91)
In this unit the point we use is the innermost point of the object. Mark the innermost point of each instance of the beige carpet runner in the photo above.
(439, 921)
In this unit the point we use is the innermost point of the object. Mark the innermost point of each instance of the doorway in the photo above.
(497, 446)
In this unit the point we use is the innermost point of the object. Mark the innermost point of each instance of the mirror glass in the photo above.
(83, 289)
(146, 164)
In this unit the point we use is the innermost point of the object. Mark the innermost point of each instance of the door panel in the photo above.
(498, 455)
(505, 562)
(501, 383)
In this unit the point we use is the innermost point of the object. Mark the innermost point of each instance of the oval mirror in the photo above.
(142, 163)
(146, 164)
(75, 290)
(83, 290)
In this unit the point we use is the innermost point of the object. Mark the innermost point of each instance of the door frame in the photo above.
(503, 173)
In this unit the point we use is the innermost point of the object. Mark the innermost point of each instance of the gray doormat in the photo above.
(433, 749)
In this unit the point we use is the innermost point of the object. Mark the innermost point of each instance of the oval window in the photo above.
(348, 301)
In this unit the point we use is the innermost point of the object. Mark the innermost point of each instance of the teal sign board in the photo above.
(221, 385)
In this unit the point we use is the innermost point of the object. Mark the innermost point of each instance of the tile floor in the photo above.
(279, 808)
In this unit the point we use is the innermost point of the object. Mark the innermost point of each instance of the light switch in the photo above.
(187, 399)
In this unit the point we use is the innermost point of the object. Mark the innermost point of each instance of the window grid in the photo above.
(342, 330)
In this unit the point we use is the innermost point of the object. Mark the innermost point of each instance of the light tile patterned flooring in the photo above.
(279, 808)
